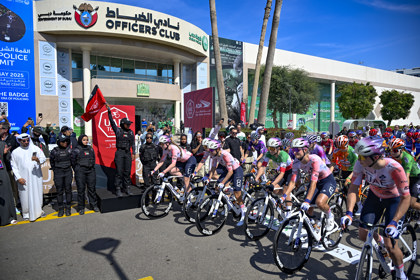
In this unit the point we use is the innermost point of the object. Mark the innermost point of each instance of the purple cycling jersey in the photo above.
(259, 147)
(319, 151)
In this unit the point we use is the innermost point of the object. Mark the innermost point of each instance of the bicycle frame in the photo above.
(303, 218)
(160, 188)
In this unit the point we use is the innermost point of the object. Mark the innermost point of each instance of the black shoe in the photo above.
(61, 212)
(95, 208)
(68, 211)
(128, 191)
(82, 212)
(118, 192)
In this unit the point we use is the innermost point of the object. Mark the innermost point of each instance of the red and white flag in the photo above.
(94, 105)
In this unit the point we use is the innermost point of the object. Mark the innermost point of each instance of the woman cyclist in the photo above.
(388, 191)
(232, 172)
(182, 161)
(317, 149)
(258, 146)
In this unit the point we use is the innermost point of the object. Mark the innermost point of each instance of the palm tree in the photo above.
(218, 62)
(258, 63)
(269, 63)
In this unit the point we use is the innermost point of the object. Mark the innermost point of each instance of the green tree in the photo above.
(395, 105)
(291, 91)
(356, 100)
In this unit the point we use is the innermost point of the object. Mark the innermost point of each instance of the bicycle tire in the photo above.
(365, 259)
(191, 203)
(205, 223)
(156, 210)
(284, 246)
(256, 225)
(333, 238)
(409, 236)
(247, 201)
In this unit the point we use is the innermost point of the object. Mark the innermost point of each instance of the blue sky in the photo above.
(382, 34)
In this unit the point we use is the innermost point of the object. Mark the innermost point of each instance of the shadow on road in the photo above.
(100, 245)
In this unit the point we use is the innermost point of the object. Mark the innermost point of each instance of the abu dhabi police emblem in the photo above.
(85, 15)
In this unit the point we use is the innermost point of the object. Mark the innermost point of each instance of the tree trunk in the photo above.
(258, 63)
(276, 124)
(262, 112)
(218, 62)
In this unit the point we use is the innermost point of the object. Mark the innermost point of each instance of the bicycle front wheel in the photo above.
(152, 205)
(364, 269)
(190, 205)
(408, 246)
(258, 220)
(331, 239)
(211, 215)
(292, 245)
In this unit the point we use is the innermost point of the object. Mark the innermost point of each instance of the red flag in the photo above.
(94, 105)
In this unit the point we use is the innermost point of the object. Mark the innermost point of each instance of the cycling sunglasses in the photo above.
(362, 157)
(149, 137)
(212, 150)
(395, 150)
(272, 149)
(296, 150)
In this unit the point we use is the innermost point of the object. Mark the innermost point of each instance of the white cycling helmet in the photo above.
(205, 141)
(165, 139)
(255, 136)
(274, 142)
(214, 144)
(299, 143)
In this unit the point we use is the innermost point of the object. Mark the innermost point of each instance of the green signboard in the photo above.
(143, 90)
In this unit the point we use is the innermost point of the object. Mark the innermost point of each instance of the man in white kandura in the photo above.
(26, 164)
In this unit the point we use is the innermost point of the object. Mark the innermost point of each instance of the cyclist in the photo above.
(258, 146)
(232, 171)
(317, 149)
(359, 134)
(182, 161)
(411, 168)
(409, 142)
(289, 135)
(373, 132)
(322, 184)
(353, 138)
(327, 144)
(388, 191)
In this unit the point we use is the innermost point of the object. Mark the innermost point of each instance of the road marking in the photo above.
(146, 278)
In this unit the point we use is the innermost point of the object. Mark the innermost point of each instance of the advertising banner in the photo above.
(231, 53)
(17, 77)
(243, 112)
(104, 137)
(198, 109)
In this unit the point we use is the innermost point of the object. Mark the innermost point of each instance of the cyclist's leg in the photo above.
(188, 170)
(371, 213)
(414, 192)
(327, 188)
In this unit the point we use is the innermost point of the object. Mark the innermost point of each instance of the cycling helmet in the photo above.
(409, 134)
(324, 134)
(318, 139)
(255, 136)
(289, 135)
(373, 132)
(397, 143)
(388, 129)
(287, 142)
(342, 142)
(206, 141)
(299, 143)
(370, 146)
(352, 134)
(386, 135)
(214, 144)
(165, 139)
(274, 142)
(416, 135)
(311, 138)
(359, 132)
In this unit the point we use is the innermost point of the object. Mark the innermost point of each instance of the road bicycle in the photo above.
(157, 200)
(195, 197)
(212, 213)
(297, 236)
(407, 243)
(260, 214)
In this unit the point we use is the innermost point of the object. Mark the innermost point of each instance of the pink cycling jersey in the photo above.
(176, 153)
(226, 160)
(315, 166)
(387, 182)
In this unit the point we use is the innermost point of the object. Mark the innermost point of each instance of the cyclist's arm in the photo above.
(353, 191)
(290, 187)
(173, 163)
(260, 172)
(278, 178)
(400, 179)
(160, 163)
(228, 175)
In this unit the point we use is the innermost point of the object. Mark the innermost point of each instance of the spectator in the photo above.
(26, 164)
(143, 125)
(182, 126)
(344, 131)
(240, 134)
(261, 130)
(381, 129)
(397, 132)
(138, 140)
(68, 131)
(233, 145)
(222, 137)
(215, 130)
(7, 205)
(53, 137)
(198, 150)
(184, 143)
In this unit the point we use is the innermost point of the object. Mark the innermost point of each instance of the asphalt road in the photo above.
(127, 245)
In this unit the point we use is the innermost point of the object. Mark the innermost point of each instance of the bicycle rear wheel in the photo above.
(190, 205)
(291, 249)
(210, 220)
(150, 205)
(331, 239)
(364, 269)
(257, 221)
(408, 246)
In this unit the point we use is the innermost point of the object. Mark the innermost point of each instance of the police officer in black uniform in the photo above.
(149, 155)
(123, 156)
(83, 162)
(60, 160)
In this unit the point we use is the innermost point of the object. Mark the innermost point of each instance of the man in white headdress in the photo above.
(26, 165)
